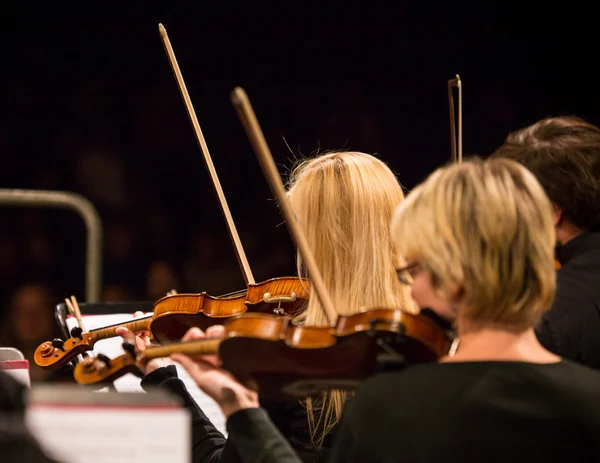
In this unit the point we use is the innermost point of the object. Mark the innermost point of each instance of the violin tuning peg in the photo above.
(76, 332)
(58, 343)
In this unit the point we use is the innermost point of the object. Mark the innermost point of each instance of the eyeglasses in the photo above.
(407, 274)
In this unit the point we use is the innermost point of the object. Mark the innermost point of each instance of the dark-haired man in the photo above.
(564, 154)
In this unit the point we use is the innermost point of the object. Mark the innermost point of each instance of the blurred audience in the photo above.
(29, 321)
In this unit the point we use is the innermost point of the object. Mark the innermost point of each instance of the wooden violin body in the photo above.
(303, 361)
(174, 315)
(278, 358)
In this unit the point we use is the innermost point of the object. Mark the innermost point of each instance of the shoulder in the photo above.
(422, 381)
(415, 380)
(577, 291)
(580, 270)
(407, 377)
(573, 389)
(578, 377)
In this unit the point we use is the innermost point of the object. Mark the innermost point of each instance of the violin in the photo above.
(278, 358)
(175, 315)
(57, 353)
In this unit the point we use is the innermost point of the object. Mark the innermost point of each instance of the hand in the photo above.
(212, 332)
(141, 340)
(217, 383)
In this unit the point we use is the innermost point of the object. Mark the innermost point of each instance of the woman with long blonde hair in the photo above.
(344, 202)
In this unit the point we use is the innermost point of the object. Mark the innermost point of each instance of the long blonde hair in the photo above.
(344, 203)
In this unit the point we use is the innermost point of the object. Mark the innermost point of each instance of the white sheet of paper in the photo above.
(112, 347)
(97, 431)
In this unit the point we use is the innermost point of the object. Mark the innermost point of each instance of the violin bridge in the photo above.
(279, 300)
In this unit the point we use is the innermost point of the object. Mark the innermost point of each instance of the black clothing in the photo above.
(454, 412)
(209, 445)
(571, 328)
(207, 441)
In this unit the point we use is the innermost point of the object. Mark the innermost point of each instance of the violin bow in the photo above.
(455, 140)
(455, 147)
(233, 233)
(245, 112)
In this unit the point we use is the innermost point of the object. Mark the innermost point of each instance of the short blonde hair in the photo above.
(485, 232)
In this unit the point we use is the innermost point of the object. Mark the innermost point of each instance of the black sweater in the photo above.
(453, 412)
(571, 328)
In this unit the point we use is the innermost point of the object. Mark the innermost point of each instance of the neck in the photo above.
(493, 342)
(566, 231)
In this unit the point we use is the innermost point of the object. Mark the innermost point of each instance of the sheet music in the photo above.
(124, 429)
(112, 347)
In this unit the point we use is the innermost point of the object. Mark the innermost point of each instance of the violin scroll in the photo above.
(101, 369)
(57, 353)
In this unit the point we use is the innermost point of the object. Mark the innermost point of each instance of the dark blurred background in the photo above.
(90, 105)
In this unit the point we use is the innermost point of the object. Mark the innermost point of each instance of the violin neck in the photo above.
(195, 348)
(136, 325)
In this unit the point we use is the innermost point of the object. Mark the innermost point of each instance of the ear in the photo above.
(558, 214)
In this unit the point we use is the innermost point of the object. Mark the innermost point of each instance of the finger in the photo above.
(209, 360)
(147, 342)
(195, 369)
(214, 360)
(138, 314)
(197, 363)
(126, 334)
(142, 340)
(193, 333)
(215, 331)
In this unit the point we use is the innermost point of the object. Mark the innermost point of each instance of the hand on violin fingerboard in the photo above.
(141, 341)
(217, 383)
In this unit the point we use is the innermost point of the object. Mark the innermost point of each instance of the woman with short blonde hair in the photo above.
(493, 263)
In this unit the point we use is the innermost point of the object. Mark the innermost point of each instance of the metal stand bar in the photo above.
(89, 214)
